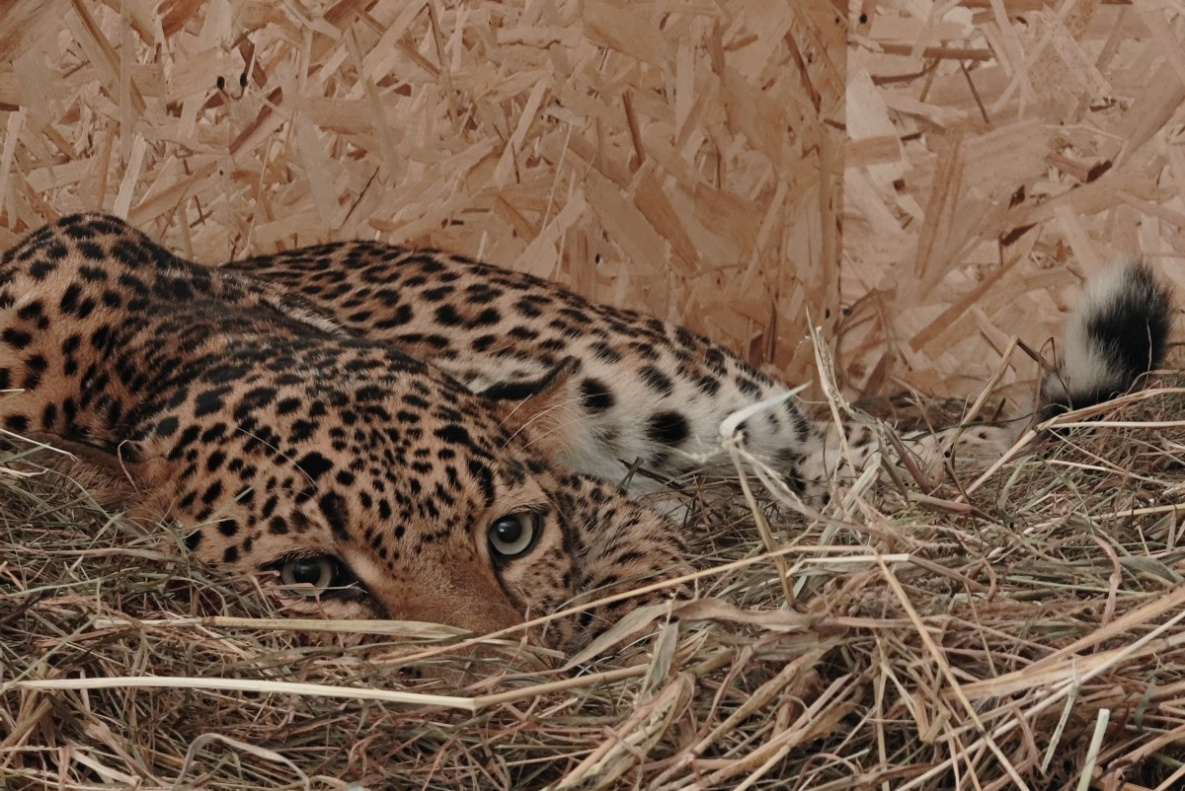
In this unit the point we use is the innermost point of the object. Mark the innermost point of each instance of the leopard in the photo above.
(342, 471)
(413, 434)
(641, 401)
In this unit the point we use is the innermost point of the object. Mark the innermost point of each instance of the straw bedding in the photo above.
(696, 160)
(969, 637)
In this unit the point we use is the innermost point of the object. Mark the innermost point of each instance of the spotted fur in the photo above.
(639, 391)
(284, 445)
(280, 411)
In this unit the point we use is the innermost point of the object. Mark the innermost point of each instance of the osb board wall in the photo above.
(677, 157)
(999, 152)
(693, 159)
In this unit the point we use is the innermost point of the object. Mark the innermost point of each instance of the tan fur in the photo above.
(273, 439)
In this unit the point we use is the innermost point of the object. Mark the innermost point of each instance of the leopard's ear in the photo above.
(543, 410)
(120, 480)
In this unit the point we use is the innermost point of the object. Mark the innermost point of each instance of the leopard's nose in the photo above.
(473, 603)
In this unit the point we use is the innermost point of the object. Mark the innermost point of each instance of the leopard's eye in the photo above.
(319, 572)
(512, 535)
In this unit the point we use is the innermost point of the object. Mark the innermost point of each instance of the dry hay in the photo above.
(1017, 631)
(677, 157)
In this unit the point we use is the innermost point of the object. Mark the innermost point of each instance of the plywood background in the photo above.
(693, 159)
(999, 151)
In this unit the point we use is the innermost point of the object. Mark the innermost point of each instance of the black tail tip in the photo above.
(1118, 332)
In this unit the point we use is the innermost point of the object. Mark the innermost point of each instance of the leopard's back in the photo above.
(638, 390)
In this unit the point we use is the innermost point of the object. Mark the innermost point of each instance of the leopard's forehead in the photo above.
(340, 438)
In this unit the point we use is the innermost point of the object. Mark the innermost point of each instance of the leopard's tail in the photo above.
(1118, 332)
